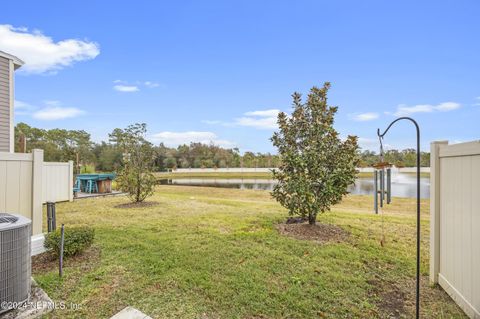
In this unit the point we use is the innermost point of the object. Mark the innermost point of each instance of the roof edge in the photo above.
(16, 61)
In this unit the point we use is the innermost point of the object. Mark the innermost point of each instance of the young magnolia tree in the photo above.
(135, 176)
(316, 165)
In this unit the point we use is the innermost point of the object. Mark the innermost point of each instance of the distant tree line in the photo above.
(76, 145)
(404, 158)
(63, 145)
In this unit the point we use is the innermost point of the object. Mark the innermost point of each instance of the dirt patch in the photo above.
(295, 220)
(318, 232)
(390, 298)
(47, 261)
(397, 299)
(431, 297)
(137, 205)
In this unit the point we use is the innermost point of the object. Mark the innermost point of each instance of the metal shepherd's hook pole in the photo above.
(417, 301)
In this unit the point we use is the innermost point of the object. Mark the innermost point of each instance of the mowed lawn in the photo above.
(215, 253)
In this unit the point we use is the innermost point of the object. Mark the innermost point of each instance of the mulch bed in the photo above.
(319, 232)
(137, 205)
(47, 261)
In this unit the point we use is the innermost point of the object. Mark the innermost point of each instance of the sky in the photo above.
(220, 71)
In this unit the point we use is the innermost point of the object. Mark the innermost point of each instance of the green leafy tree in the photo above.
(317, 166)
(409, 157)
(58, 144)
(170, 162)
(135, 176)
(109, 157)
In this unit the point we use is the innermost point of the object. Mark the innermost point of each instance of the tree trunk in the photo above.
(312, 219)
(137, 197)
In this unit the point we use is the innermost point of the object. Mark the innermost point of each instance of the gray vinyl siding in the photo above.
(4, 105)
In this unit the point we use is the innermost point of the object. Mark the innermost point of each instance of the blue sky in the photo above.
(218, 70)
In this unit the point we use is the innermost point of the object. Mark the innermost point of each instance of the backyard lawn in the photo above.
(216, 253)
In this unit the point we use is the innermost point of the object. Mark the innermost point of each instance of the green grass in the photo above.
(215, 253)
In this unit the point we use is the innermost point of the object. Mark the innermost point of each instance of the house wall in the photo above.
(6, 75)
(455, 222)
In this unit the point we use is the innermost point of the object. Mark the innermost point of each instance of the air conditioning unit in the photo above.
(15, 260)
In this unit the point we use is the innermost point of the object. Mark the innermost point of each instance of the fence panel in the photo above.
(455, 222)
(20, 184)
(57, 182)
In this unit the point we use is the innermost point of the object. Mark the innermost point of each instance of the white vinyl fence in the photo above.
(26, 182)
(57, 182)
(455, 222)
(21, 186)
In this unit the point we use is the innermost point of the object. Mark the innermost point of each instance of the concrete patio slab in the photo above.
(130, 313)
(38, 305)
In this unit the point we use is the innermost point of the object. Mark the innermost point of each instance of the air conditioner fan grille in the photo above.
(7, 218)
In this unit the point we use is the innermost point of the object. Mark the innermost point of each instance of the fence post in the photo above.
(37, 175)
(435, 210)
(70, 181)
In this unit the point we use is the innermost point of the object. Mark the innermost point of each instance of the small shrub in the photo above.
(76, 240)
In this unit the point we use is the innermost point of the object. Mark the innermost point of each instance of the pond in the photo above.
(403, 185)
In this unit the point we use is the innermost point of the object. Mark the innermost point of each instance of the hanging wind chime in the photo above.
(384, 169)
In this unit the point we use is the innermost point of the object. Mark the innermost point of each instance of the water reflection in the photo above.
(403, 185)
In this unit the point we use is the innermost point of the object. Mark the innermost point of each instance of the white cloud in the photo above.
(125, 88)
(264, 113)
(41, 53)
(52, 103)
(51, 113)
(404, 110)
(23, 108)
(368, 143)
(372, 144)
(211, 122)
(51, 110)
(447, 106)
(20, 105)
(363, 117)
(478, 99)
(264, 119)
(260, 123)
(150, 84)
(179, 138)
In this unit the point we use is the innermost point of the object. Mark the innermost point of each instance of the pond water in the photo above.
(403, 185)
